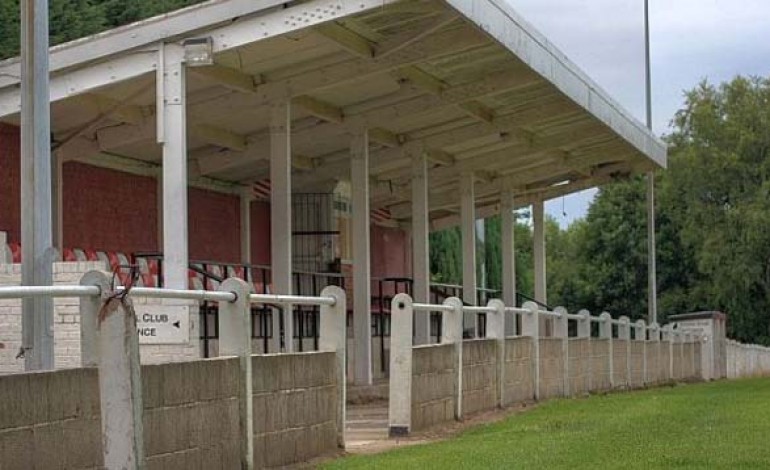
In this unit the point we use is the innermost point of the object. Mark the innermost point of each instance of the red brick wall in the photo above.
(214, 226)
(390, 252)
(108, 210)
(10, 182)
(260, 232)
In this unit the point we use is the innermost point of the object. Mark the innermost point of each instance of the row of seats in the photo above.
(149, 268)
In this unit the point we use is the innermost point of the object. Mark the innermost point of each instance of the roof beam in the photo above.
(220, 137)
(347, 39)
(319, 109)
(401, 41)
(229, 77)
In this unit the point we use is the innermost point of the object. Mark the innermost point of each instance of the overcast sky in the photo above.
(690, 40)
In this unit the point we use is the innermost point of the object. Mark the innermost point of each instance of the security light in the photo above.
(198, 52)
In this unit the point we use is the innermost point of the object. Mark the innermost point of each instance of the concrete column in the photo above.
(420, 246)
(280, 219)
(605, 332)
(36, 231)
(584, 331)
(508, 223)
(468, 229)
(400, 391)
(624, 333)
(530, 326)
(172, 134)
(453, 334)
(538, 234)
(654, 336)
(640, 334)
(496, 331)
(245, 209)
(235, 340)
(561, 330)
(362, 312)
(333, 337)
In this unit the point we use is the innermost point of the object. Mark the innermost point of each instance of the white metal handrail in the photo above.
(291, 299)
(18, 292)
(433, 307)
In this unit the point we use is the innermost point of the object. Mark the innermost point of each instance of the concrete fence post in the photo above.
(108, 324)
(666, 336)
(453, 334)
(624, 333)
(561, 330)
(655, 338)
(333, 337)
(640, 334)
(530, 326)
(235, 340)
(496, 331)
(400, 391)
(584, 331)
(605, 332)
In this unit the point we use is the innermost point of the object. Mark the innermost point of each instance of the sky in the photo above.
(690, 40)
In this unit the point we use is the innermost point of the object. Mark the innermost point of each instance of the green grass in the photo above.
(711, 425)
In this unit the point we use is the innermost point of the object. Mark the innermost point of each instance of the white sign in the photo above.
(163, 324)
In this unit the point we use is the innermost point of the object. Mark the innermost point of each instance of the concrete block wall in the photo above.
(50, 420)
(600, 364)
(656, 373)
(665, 362)
(637, 363)
(191, 414)
(480, 380)
(434, 373)
(579, 367)
(518, 370)
(295, 399)
(551, 368)
(67, 322)
(620, 363)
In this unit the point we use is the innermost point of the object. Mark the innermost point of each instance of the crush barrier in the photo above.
(236, 411)
(436, 383)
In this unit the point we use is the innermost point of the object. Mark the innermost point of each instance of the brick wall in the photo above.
(260, 232)
(10, 182)
(214, 226)
(517, 373)
(434, 374)
(390, 252)
(479, 375)
(109, 210)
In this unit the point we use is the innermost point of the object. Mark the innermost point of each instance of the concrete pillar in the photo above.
(36, 231)
(400, 391)
(362, 312)
(584, 332)
(640, 334)
(530, 326)
(172, 134)
(245, 210)
(468, 229)
(333, 337)
(453, 334)
(605, 332)
(624, 333)
(496, 331)
(561, 330)
(538, 238)
(235, 340)
(280, 219)
(508, 223)
(420, 244)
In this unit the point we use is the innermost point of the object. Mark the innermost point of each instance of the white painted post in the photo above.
(400, 384)
(452, 328)
(530, 326)
(468, 230)
(235, 340)
(667, 337)
(333, 337)
(624, 333)
(36, 232)
(655, 333)
(280, 219)
(110, 342)
(605, 331)
(561, 330)
(496, 331)
(245, 211)
(538, 238)
(508, 224)
(420, 244)
(362, 311)
(172, 134)
(640, 333)
(584, 331)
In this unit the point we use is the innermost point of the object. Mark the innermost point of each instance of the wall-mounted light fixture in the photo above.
(198, 51)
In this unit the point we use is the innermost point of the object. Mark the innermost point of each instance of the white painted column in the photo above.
(530, 326)
(36, 232)
(172, 134)
(362, 312)
(605, 332)
(538, 238)
(508, 224)
(333, 337)
(420, 244)
(400, 383)
(245, 210)
(280, 219)
(468, 230)
(624, 333)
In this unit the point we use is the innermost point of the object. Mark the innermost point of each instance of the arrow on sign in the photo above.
(176, 323)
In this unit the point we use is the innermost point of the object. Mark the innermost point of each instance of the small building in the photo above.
(302, 144)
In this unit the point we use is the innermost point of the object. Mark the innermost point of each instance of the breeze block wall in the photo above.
(551, 368)
(518, 370)
(434, 375)
(579, 366)
(480, 380)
